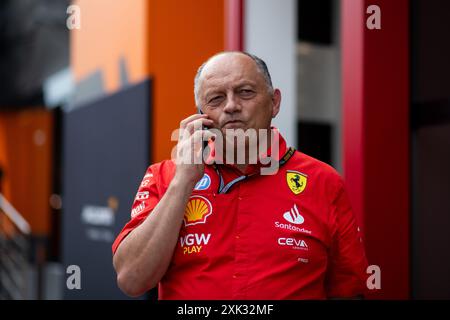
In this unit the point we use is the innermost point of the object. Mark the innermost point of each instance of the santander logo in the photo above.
(293, 216)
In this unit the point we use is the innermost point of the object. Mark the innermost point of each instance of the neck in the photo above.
(249, 152)
(258, 150)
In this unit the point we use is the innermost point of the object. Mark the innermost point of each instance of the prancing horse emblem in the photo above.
(296, 181)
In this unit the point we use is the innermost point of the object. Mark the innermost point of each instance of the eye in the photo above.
(215, 100)
(246, 92)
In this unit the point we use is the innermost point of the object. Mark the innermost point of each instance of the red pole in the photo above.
(375, 70)
(234, 25)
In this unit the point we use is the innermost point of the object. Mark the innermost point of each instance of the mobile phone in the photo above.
(205, 143)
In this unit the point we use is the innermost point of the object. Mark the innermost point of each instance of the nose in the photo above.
(232, 104)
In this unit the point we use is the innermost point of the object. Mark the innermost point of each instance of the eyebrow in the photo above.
(239, 85)
(245, 83)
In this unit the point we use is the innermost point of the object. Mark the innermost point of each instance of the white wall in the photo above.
(270, 33)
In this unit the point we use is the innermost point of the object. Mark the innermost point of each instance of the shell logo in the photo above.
(197, 210)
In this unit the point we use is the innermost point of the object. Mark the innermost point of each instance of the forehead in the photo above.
(230, 69)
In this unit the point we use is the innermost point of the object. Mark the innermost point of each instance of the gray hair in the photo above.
(260, 65)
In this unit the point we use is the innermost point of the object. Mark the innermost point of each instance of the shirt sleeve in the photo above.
(147, 197)
(346, 272)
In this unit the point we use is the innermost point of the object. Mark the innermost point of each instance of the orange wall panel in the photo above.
(110, 30)
(182, 35)
(164, 39)
(27, 152)
(5, 187)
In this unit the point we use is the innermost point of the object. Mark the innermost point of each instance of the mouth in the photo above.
(233, 124)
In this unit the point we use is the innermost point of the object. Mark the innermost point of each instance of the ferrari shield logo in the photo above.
(296, 181)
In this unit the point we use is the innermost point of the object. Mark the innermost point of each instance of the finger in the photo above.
(198, 125)
(189, 129)
(200, 154)
(191, 118)
(202, 135)
(208, 135)
(194, 141)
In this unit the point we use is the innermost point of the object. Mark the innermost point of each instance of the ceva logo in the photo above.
(292, 242)
(293, 216)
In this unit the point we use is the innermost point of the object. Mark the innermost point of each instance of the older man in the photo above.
(221, 229)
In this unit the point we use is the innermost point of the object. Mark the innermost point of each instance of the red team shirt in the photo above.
(292, 235)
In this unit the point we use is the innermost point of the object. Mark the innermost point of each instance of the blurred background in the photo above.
(90, 91)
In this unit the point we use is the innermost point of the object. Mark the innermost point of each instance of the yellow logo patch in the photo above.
(296, 181)
(197, 210)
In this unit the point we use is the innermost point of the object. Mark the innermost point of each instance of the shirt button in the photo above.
(239, 198)
(237, 237)
(234, 276)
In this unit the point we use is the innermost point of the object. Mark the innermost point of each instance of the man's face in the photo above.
(234, 94)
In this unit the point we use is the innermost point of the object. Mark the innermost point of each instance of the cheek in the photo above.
(214, 115)
(261, 112)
